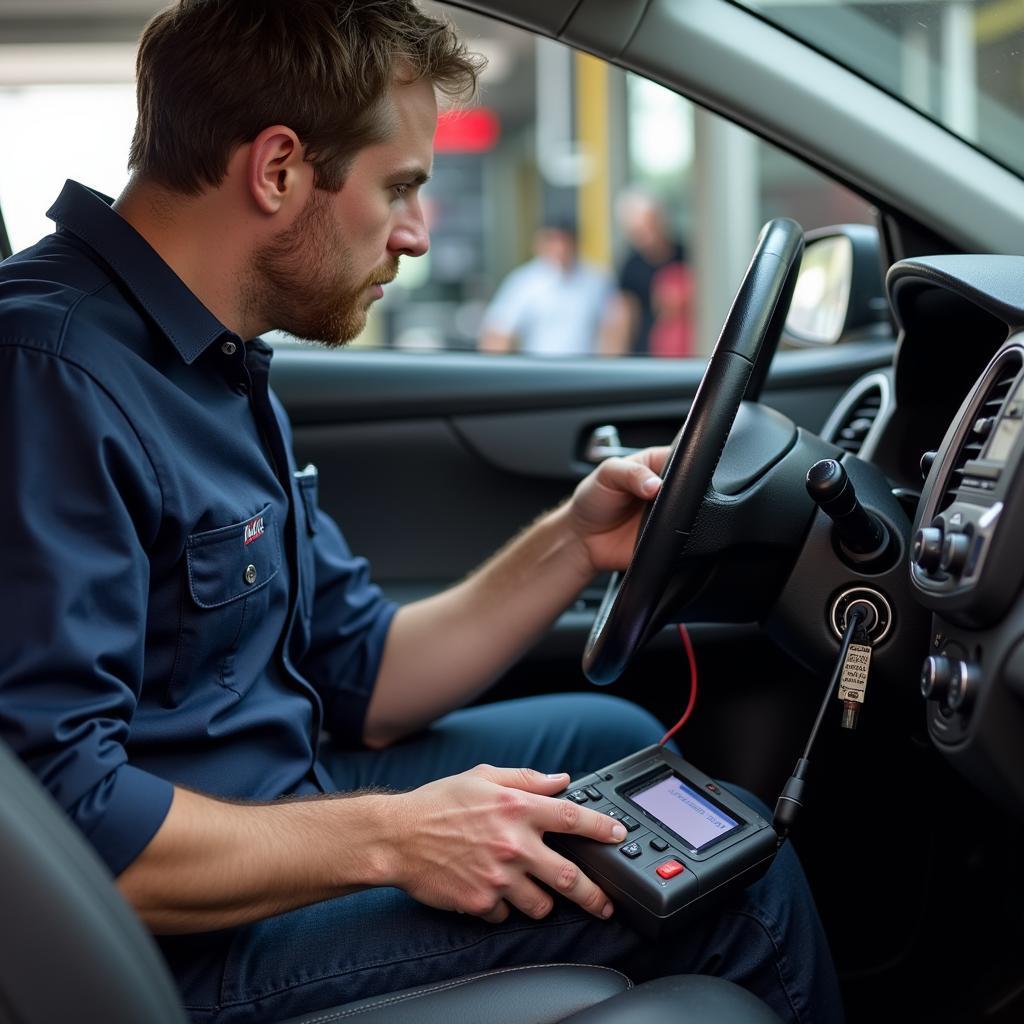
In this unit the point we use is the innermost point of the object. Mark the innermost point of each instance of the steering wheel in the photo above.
(736, 370)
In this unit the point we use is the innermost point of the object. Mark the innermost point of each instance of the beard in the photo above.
(302, 280)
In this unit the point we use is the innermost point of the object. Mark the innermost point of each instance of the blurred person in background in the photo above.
(652, 247)
(554, 305)
(672, 333)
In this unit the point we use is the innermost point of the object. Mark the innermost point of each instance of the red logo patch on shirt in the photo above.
(254, 529)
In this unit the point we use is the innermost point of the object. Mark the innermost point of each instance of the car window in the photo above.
(960, 63)
(574, 209)
(561, 142)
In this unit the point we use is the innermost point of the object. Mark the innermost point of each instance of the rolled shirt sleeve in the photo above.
(82, 502)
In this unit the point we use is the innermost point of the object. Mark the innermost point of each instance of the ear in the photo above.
(277, 174)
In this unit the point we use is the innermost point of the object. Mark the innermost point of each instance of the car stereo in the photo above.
(688, 844)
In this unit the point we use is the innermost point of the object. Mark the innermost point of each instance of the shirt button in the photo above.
(229, 348)
(250, 574)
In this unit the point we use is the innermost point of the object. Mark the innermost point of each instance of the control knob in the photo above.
(983, 426)
(937, 676)
(927, 550)
(951, 682)
(963, 688)
(955, 548)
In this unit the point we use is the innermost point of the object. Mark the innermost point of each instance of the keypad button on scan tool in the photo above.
(670, 869)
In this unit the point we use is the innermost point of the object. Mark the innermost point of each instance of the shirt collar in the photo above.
(189, 325)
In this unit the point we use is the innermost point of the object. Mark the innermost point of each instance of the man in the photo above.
(181, 623)
(554, 305)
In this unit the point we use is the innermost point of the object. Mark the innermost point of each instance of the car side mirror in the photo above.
(839, 290)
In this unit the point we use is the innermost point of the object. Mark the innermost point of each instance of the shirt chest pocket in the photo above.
(230, 591)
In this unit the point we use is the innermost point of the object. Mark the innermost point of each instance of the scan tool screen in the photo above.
(692, 817)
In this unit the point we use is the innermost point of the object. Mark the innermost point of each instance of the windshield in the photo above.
(958, 61)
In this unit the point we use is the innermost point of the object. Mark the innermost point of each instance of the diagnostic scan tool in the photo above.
(688, 841)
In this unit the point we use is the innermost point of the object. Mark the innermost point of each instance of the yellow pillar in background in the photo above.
(998, 20)
(593, 199)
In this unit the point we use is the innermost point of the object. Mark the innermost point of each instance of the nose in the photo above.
(409, 236)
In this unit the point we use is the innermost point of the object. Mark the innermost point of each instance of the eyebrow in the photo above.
(413, 176)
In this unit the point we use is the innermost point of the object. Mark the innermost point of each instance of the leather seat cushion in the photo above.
(683, 999)
(515, 995)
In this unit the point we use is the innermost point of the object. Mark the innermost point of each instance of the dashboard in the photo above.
(960, 369)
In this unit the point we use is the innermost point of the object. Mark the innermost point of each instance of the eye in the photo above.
(401, 190)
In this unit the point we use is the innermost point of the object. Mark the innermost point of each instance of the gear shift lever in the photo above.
(862, 534)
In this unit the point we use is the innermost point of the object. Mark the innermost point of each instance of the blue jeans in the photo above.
(768, 938)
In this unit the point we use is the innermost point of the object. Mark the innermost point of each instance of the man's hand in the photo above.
(474, 843)
(606, 507)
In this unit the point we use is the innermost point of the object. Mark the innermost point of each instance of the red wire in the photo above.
(685, 637)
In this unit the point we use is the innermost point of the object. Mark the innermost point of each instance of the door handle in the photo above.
(604, 443)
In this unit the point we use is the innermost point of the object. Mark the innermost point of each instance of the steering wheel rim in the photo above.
(736, 370)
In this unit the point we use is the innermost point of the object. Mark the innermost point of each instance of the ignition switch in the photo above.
(872, 603)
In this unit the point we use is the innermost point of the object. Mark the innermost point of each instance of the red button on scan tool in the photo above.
(670, 869)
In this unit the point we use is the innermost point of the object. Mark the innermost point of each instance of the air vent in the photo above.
(855, 414)
(855, 425)
(1000, 383)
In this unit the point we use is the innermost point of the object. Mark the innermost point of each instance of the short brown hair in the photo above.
(212, 74)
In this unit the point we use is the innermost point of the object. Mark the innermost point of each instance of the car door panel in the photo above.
(329, 387)
(431, 462)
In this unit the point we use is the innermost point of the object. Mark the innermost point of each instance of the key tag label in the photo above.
(854, 680)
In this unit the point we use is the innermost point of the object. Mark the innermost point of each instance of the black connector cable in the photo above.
(790, 800)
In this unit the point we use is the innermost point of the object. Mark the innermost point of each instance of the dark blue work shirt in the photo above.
(173, 606)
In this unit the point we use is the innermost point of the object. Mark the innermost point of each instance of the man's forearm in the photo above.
(472, 842)
(214, 864)
(443, 651)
